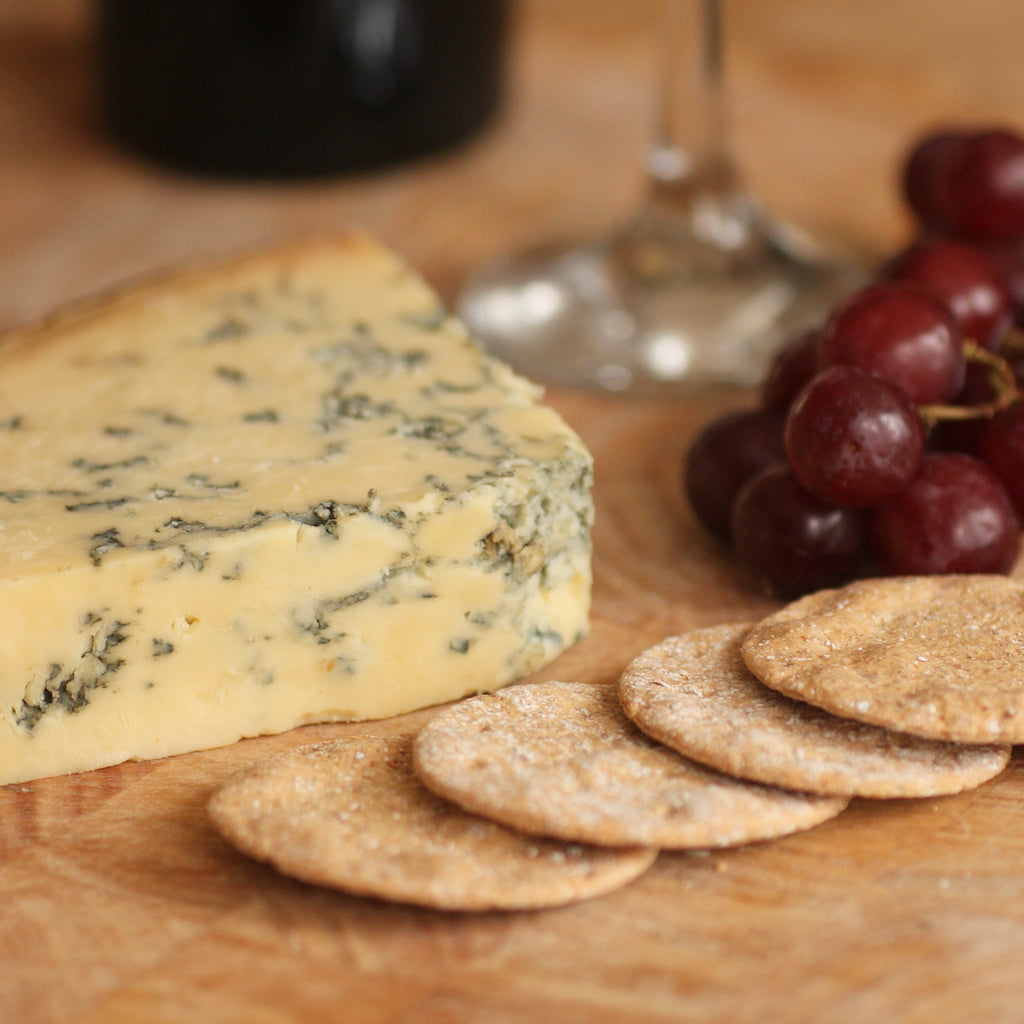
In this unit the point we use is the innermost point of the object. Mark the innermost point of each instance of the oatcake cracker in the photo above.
(695, 694)
(562, 759)
(936, 656)
(350, 814)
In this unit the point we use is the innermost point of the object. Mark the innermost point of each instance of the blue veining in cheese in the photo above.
(282, 491)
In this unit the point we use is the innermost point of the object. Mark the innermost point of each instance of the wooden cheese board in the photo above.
(120, 903)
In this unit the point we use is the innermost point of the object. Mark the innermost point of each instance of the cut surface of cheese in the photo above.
(284, 490)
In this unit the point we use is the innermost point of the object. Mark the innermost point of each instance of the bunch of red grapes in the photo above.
(890, 440)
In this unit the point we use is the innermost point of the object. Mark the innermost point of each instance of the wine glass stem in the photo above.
(692, 178)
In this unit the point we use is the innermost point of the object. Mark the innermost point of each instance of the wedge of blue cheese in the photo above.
(283, 491)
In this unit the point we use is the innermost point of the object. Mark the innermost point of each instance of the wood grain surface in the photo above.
(119, 901)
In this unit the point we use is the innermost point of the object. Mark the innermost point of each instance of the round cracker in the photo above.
(935, 656)
(561, 759)
(350, 814)
(695, 694)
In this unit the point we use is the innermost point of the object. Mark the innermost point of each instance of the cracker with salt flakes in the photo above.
(935, 656)
(694, 693)
(561, 759)
(349, 814)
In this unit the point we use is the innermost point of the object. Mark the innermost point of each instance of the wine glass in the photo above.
(699, 288)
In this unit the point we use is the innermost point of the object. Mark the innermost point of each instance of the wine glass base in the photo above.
(642, 314)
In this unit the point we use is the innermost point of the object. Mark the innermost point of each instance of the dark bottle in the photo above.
(287, 88)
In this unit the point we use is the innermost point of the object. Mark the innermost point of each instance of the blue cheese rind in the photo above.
(285, 491)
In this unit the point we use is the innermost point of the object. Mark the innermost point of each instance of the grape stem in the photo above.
(1013, 342)
(1003, 381)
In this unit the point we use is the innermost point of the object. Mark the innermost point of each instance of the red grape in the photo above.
(902, 333)
(853, 438)
(1008, 257)
(792, 539)
(724, 456)
(1001, 448)
(954, 516)
(791, 369)
(967, 281)
(923, 173)
(982, 185)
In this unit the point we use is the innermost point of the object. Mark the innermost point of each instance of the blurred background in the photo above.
(824, 97)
